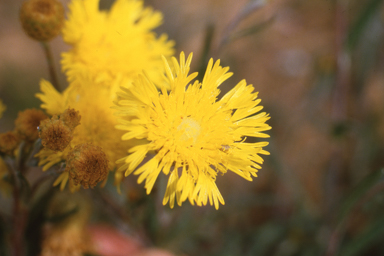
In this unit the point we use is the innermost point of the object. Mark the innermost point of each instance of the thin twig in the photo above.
(19, 214)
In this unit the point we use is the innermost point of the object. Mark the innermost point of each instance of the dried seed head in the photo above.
(54, 134)
(9, 142)
(42, 19)
(71, 118)
(87, 165)
(27, 122)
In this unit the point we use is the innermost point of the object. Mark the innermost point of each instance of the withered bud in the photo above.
(71, 118)
(87, 165)
(27, 122)
(54, 134)
(42, 19)
(9, 142)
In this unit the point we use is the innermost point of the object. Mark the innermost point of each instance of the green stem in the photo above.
(51, 68)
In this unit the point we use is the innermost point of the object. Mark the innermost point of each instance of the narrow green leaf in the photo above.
(357, 29)
(373, 234)
(257, 28)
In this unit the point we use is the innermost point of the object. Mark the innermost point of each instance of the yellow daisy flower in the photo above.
(2, 108)
(97, 123)
(117, 42)
(193, 135)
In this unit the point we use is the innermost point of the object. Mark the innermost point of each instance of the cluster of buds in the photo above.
(86, 163)
(26, 125)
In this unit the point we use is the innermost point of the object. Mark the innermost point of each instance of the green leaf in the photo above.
(358, 28)
(257, 28)
(373, 234)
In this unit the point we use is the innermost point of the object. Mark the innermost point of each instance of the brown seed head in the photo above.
(42, 19)
(87, 165)
(54, 134)
(9, 142)
(27, 122)
(71, 118)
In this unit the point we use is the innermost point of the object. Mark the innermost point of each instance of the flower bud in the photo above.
(71, 118)
(87, 165)
(42, 19)
(27, 122)
(54, 134)
(9, 142)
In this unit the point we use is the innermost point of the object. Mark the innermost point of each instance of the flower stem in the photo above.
(19, 217)
(52, 73)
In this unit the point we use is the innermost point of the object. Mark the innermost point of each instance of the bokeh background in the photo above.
(318, 67)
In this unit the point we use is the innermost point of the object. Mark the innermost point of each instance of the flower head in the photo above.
(193, 134)
(27, 122)
(42, 20)
(118, 42)
(87, 165)
(55, 134)
(71, 118)
(92, 102)
(9, 142)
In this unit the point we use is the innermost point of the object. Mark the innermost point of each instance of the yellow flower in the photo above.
(97, 123)
(193, 134)
(2, 108)
(119, 42)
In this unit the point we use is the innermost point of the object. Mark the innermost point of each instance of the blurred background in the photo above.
(318, 67)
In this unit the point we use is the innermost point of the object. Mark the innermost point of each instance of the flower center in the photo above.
(190, 129)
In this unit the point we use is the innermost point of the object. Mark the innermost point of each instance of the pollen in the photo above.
(87, 165)
(190, 128)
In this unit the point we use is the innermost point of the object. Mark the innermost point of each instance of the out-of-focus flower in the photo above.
(27, 123)
(42, 20)
(194, 135)
(67, 235)
(92, 101)
(9, 142)
(2, 108)
(117, 43)
(68, 241)
(108, 241)
(97, 121)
